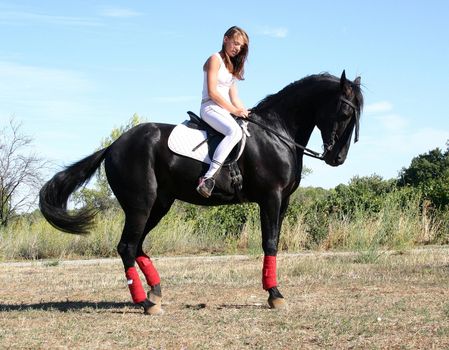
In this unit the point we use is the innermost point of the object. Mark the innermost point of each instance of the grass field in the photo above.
(335, 301)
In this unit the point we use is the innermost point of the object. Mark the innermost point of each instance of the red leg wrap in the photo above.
(269, 272)
(135, 286)
(148, 269)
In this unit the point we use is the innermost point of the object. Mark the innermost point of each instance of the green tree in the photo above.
(101, 196)
(365, 193)
(429, 172)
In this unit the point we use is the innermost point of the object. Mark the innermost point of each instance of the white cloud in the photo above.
(424, 140)
(378, 107)
(21, 79)
(41, 92)
(383, 119)
(30, 18)
(274, 32)
(392, 122)
(403, 143)
(119, 12)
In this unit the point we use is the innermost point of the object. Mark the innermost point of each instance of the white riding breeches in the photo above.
(222, 121)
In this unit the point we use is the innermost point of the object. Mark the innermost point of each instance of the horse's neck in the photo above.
(293, 114)
(298, 126)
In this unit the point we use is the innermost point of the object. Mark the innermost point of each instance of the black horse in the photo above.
(146, 177)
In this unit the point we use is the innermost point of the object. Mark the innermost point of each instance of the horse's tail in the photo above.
(55, 193)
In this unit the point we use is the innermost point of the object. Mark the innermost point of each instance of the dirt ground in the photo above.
(400, 301)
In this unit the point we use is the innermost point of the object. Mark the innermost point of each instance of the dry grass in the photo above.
(335, 302)
(189, 230)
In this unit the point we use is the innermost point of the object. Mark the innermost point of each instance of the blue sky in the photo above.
(72, 71)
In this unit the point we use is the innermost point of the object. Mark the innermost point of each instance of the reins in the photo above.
(307, 151)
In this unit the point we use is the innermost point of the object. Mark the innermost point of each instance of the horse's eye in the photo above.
(345, 112)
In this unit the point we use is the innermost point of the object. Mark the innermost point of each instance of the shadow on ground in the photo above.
(65, 306)
(226, 306)
(110, 306)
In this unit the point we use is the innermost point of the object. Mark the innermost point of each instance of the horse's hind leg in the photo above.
(153, 304)
(146, 265)
(127, 248)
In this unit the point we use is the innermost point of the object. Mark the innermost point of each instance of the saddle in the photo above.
(195, 139)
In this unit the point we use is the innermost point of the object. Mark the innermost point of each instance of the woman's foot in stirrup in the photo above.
(206, 186)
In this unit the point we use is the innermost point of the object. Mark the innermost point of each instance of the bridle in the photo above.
(356, 115)
(327, 148)
(342, 100)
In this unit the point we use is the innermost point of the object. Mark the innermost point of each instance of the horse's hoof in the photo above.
(155, 309)
(277, 303)
(154, 298)
(276, 300)
(153, 304)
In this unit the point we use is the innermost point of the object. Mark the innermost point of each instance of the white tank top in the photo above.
(224, 82)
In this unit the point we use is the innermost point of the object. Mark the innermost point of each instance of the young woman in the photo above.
(220, 99)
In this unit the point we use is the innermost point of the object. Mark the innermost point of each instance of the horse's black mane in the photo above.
(299, 87)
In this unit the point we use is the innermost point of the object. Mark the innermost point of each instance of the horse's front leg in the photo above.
(271, 216)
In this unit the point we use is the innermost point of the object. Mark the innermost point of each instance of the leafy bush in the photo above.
(362, 193)
(224, 221)
(429, 172)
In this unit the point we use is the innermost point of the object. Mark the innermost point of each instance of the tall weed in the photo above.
(399, 221)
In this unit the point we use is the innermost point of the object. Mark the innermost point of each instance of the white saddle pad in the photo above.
(183, 140)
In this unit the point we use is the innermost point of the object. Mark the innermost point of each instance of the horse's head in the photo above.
(337, 119)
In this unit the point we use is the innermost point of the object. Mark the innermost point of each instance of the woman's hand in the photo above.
(241, 112)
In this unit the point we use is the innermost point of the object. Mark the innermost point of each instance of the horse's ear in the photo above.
(343, 79)
(357, 81)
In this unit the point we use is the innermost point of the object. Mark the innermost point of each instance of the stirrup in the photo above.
(206, 186)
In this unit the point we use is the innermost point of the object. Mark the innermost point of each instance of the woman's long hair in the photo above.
(236, 64)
